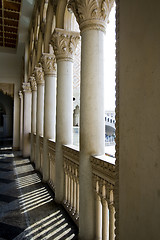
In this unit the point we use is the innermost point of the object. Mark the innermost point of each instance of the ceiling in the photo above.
(9, 22)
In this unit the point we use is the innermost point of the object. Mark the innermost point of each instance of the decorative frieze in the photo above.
(26, 87)
(49, 64)
(33, 83)
(39, 74)
(64, 44)
(91, 14)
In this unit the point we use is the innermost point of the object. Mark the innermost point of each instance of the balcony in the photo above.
(103, 182)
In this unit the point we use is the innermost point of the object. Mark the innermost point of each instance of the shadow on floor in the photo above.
(27, 206)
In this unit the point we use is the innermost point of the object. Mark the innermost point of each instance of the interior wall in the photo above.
(139, 133)
(11, 72)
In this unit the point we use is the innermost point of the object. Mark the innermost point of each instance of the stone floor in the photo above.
(27, 207)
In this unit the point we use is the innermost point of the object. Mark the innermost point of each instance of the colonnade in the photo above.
(52, 104)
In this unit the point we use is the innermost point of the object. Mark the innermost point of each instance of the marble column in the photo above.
(91, 17)
(40, 112)
(33, 114)
(64, 44)
(26, 148)
(50, 75)
(21, 120)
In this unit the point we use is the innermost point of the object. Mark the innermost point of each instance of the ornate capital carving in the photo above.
(64, 44)
(39, 74)
(33, 83)
(20, 94)
(49, 64)
(26, 87)
(91, 14)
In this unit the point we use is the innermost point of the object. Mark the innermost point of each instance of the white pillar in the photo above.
(21, 119)
(92, 17)
(26, 119)
(40, 111)
(64, 44)
(33, 113)
(49, 66)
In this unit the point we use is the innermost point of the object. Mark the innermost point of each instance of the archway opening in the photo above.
(6, 119)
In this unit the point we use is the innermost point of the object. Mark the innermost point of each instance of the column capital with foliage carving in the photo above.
(49, 64)
(20, 93)
(64, 44)
(26, 87)
(39, 74)
(91, 14)
(33, 83)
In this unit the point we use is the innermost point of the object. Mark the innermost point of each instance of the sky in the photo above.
(109, 63)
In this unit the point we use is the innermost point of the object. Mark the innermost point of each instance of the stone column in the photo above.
(64, 44)
(21, 119)
(26, 119)
(49, 66)
(33, 114)
(40, 111)
(92, 17)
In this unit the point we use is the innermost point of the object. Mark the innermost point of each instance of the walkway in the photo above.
(27, 207)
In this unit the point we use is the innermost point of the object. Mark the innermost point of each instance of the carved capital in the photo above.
(20, 94)
(91, 14)
(39, 74)
(26, 87)
(49, 64)
(64, 44)
(33, 83)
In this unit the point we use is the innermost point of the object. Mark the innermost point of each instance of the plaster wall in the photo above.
(139, 98)
(11, 72)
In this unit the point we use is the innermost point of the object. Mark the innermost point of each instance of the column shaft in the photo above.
(49, 120)
(39, 120)
(92, 125)
(64, 44)
(26, 120)
(33, 123)
(21, 120)
(64, 119)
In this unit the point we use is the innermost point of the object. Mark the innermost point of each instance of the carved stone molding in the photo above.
(91, 14)
(104, 170)
(33, 83)
(64, 44)
(49, 64)
(26, 87)
(71, 154)
(39, 74)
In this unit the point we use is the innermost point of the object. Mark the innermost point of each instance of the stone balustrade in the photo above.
(103, 184)
(71, 172)
(51, 156)
(103, 173)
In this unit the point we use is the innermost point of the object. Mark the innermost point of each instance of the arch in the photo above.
(6, 103)
(45, 8)
(70, 22)
(61, 7)
(39, 47)
(33, 60)
(50, 23)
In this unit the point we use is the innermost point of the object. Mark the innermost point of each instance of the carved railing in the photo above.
(41, 152)
(103, 184)
(71, 176)
(34, 146)
(51, 156)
